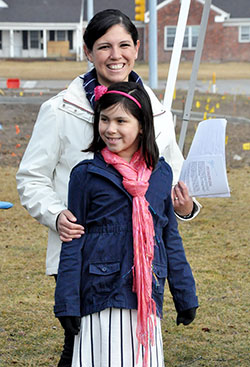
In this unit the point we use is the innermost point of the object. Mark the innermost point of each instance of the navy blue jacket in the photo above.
(95, 271)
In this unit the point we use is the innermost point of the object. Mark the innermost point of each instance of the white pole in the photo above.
(153, 65)
(11, 43)
(44, 43)
(176, 54)
(195, 69)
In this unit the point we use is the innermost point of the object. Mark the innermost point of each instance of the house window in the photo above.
(61, 35)
(52, 35)
(189, 41)
(70, 38)
(244, 33)
(1, 46)
(34, 39)
(25, 40)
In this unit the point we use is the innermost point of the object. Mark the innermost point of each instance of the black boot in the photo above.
(67, 353)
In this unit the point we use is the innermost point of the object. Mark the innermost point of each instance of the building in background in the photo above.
(227, 36)
(54, 28)
(41, 29)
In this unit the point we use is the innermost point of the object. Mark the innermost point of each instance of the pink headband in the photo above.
(100, 90)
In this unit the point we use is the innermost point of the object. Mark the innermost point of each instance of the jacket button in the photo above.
(104, 269)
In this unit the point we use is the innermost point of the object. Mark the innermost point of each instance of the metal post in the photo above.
(90, 9)
(153, 59)
(176, 54)
(90, 14)
(79, 52)
(195, 68)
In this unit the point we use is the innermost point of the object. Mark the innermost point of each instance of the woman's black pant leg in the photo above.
(67, 353)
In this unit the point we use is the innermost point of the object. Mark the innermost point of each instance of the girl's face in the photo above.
(113, 55)
(120, 131)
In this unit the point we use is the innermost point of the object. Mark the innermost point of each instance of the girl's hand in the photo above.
(182, 202)
(71, 324)
(186, 317)
(66, 227)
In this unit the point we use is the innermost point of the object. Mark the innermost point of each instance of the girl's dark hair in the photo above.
(144, 115)
(104, 20)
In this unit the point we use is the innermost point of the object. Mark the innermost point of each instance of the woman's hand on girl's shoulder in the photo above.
(67, 229)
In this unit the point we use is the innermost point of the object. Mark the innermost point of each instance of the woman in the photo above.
(64, 127)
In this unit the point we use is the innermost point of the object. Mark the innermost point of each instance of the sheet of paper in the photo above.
(204, 170)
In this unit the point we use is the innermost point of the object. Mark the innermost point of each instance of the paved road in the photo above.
(239, 86)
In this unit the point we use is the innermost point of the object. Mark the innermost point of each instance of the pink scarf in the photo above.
(135, 180)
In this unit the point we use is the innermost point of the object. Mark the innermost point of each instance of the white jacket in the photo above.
(63, 128)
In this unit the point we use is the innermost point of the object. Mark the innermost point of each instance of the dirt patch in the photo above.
(17, 121)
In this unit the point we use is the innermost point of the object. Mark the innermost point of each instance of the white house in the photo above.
(41, 28)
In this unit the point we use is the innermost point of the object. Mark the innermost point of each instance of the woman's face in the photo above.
(113, 55)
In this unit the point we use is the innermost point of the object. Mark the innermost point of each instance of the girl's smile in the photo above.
(120, 131)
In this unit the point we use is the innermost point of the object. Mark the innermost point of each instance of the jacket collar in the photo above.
(76, 96)
(100, 167)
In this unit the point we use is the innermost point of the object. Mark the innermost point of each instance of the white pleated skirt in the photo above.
(108, 339)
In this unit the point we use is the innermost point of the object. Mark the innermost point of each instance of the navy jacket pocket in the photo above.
(104, 268)
(159, 277)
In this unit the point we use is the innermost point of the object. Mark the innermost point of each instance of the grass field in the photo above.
(67, 70)
(216, 245)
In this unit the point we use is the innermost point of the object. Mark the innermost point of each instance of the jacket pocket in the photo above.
(104, 277)
(159, 277)
(104, 268)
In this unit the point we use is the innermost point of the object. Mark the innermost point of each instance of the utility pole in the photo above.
(90, 9)
(90, 14)
(153, 48)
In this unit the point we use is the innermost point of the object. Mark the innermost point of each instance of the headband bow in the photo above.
(100, 90)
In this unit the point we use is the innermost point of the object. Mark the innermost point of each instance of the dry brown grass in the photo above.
(67, 70)
(216, 245)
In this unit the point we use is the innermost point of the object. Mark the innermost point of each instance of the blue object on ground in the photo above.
(5, 205)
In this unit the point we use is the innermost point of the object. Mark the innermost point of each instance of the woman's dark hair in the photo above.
(104, 20)
(144, 115)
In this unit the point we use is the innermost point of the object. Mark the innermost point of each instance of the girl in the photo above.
(113, 276)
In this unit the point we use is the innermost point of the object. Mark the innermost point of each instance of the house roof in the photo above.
(57, 11)
(126, 6)
(69, 11)
(236, 8)
(41, 11)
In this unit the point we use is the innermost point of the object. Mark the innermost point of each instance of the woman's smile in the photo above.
(115, 66)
